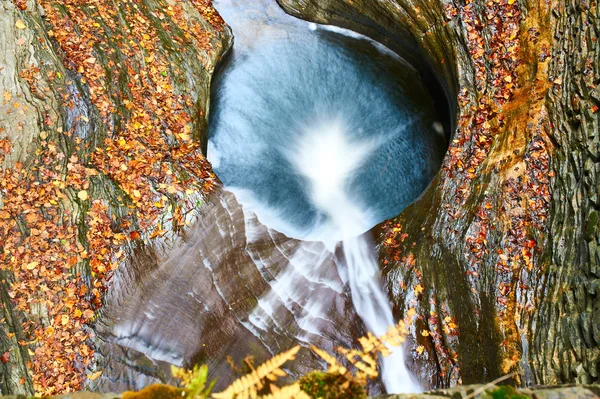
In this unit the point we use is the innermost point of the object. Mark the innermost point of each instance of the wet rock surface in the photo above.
(231, 287)
(556, 392)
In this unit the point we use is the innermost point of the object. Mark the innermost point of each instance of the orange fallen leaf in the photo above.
(134, 235)
(88, 314)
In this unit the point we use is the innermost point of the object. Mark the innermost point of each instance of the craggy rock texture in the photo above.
(230, 287)
(483, 392)
(561, 392)
(102, 113)
(500, 256)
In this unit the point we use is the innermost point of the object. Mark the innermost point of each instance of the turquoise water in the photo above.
(286, 79)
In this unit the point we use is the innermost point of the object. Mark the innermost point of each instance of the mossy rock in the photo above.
(156, 391)
(504, 392)
(320, 385)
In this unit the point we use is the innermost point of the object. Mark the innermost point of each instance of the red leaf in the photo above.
(134, 235)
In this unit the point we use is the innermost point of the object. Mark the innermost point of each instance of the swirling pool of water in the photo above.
(286, 82)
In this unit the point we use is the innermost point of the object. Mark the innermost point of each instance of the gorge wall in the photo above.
(102, 115)
(103, 119)
(500, 256)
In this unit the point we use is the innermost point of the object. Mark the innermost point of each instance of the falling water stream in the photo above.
(322, 133)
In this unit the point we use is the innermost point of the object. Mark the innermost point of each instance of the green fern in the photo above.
(194, 381)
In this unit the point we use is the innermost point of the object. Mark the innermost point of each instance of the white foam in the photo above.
(355, 35)
(213, 155)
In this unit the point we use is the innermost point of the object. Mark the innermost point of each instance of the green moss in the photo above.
(156, 391)
(321, 385)
(505, 392)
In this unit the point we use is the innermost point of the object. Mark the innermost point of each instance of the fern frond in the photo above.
(245, 386)
(194, 381)
(292, 391)
(334, 366)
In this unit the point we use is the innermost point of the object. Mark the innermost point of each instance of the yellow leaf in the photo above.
(418, 288)
(20, 24)
(64, 320)
(32, 265)
(425, 333)
(420, 349)
(78, 313)
(82, 195)
(95, 375)
(7, 96)
(136, 194)
(447, 319)
(43, 135)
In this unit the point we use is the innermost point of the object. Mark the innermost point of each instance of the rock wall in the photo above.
(102, 116)
(230, 288)
(483, 392)
(499, 257)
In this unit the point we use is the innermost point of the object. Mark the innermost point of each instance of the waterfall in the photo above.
(327, 156)
(320, 136)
